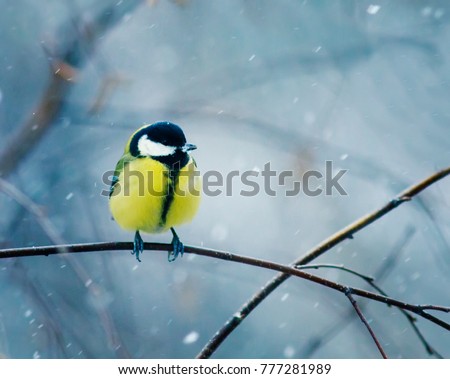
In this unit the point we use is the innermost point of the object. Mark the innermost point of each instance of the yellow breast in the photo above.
(147, 198)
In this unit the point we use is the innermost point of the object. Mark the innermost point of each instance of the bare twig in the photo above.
(348, 293)
(324, 246)
(435, 308)
(430, 349)
(368, 279)
(388, 264)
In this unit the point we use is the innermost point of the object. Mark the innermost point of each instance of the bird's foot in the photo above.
(177, 247)
(138, 245)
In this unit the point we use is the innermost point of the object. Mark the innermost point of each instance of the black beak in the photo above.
(188, 147)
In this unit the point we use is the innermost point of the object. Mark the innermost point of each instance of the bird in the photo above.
(156, 184)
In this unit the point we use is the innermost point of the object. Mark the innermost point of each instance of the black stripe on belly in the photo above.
(172, 180)
(174, 164)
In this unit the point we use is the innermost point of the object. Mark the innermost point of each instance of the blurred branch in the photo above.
(114, 339)
(94, 289)
(295, 63)
(29, 287)
(34, 209)
(107, 87)
(324, 246)
(64, 65)
(23, 140)
(349, 295)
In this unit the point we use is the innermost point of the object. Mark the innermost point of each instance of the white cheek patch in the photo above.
(154, 149)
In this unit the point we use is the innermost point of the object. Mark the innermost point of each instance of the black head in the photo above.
(162, 141)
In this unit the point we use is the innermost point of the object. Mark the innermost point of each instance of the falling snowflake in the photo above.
(191, 338)
(373, 9)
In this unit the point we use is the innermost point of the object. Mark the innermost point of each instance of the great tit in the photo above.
(156, 184)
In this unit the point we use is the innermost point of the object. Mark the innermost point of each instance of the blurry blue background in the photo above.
(294, 83)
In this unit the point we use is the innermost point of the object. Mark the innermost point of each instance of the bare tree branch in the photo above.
(288, 270)
(324, 246)
(348, 293)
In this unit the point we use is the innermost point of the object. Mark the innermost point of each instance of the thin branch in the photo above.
(384, 270)
(388, 264)
(358, 309)
(324, 246)
(430, 350)
(368, 279)
(288, 270)
(435, 308)
(348, 293)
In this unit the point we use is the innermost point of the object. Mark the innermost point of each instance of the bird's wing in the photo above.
(126, 159)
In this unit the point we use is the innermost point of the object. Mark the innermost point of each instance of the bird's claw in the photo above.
(138, 245)
(177, 247)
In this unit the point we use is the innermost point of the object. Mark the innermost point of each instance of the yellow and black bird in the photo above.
(156, 184)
